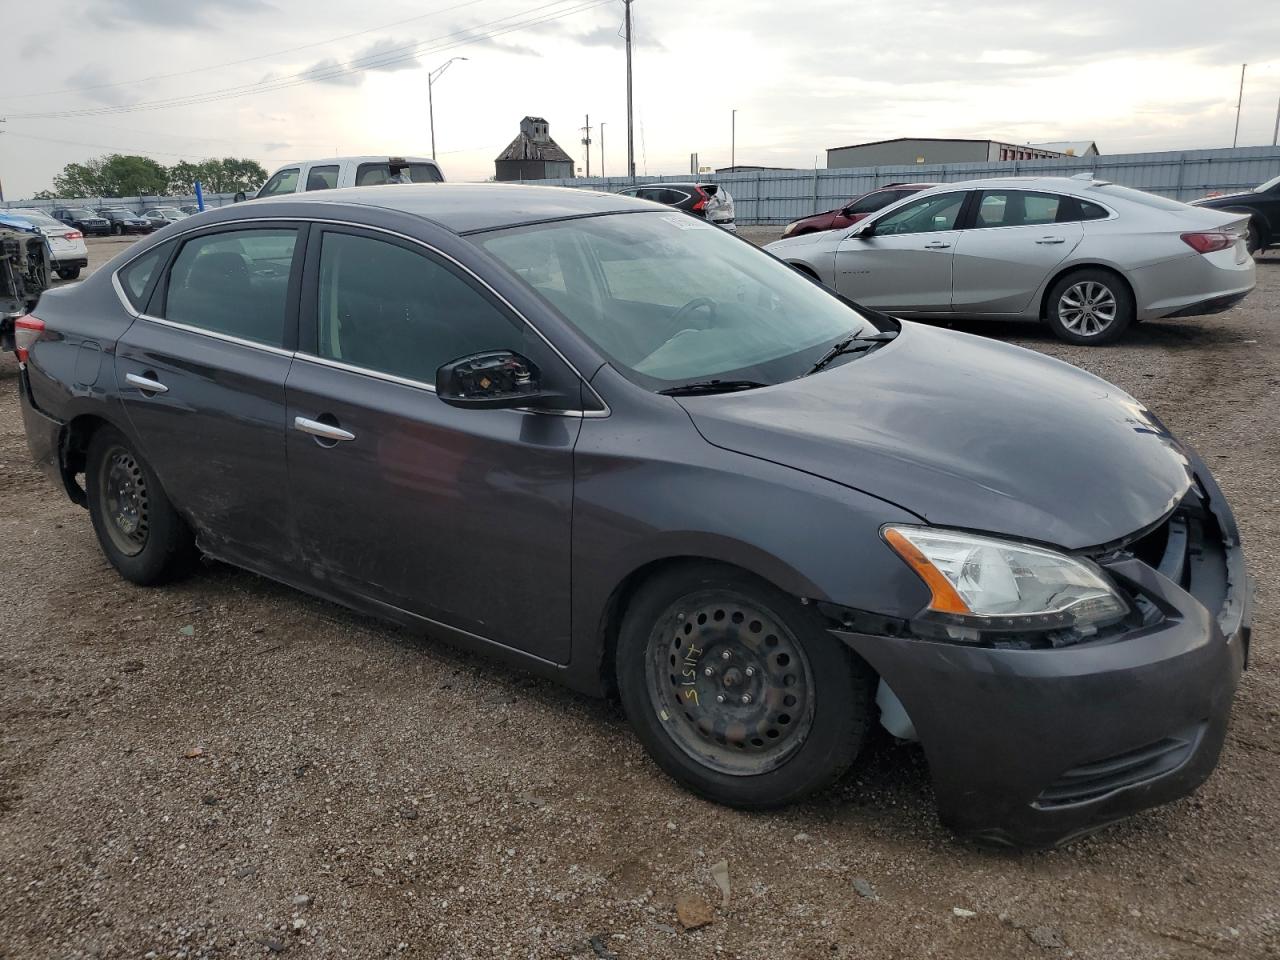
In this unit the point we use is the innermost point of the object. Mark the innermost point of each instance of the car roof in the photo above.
(1071, 185)
(469, 207)
(371, 158)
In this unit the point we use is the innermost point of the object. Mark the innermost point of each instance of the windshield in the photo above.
(38, 218)
(1269, 185)
(672, 300)
(79, 213)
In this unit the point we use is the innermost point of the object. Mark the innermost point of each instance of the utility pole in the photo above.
(1239, 103)
(602, 149)
(586, 142)
(631, 138)
(1275, 137)
(733, 139)
(2, 120)
(432, 77)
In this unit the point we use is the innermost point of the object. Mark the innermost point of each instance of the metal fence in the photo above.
(780, 196)
(136, 204)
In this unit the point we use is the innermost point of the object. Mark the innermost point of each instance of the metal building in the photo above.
(933, 150)
(533, 155)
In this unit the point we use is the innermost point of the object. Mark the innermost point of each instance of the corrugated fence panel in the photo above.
(780, 196)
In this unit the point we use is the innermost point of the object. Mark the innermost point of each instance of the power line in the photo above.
(358, 65)
(234, 63)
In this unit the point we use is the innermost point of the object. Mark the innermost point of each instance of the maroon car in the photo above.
(854, 210)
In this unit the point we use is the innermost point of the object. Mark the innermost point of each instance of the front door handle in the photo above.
(145, 384)
(937, 245)
(322, 431)
(1051, 240)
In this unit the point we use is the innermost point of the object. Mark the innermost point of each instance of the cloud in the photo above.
(330, 70)
(92, 75)
(478, 41)
(123, 14)
(275, 147)
(610, 36)
(388, 55)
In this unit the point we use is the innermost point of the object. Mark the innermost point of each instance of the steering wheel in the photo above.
(696, 303)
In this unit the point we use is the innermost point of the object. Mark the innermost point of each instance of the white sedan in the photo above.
(66, 243)
(1086, 256)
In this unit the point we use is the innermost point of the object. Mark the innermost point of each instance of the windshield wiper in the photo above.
(852, 344)
(698, 387)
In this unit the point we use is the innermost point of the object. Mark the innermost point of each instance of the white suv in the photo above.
(349, 172)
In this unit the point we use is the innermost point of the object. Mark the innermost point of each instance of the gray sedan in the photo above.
(1086, 256)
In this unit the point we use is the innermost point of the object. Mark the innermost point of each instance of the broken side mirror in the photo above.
(495, 379)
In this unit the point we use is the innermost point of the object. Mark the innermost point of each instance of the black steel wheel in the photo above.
(137, 527)
(731, 681)
(736, 689)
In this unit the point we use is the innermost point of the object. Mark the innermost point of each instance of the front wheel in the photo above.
(117, 230)
(1090, 307)
(137, 527)
(738, 691)
(68, 273)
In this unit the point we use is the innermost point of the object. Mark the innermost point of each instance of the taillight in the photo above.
(702, 202)
(26, 331)
(73, 235)
(1208, 242)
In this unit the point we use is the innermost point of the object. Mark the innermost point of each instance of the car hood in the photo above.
(966, 432)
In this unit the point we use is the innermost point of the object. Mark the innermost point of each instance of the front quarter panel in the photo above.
(649, 488)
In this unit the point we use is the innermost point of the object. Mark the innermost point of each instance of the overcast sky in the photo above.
(804, 75)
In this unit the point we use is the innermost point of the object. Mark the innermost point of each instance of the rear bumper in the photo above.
(1192, 285)
(44, 433)
(1035, 747)
(1212, 305)
(71, 260)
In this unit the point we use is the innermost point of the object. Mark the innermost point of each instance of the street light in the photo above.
(733, 139)
(432, 77)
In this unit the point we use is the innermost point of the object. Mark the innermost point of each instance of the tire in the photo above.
(797, 704)
(1254, 240)
(117, 230)
(136, 525)
(69, 273)
(1090, 307)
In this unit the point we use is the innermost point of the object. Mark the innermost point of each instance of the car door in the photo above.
(202, 374)
(1014, 240)
(904, 260)
(281, 182)
(459, 516)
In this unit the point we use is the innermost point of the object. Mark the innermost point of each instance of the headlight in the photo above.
(990, 584)
(790, 228)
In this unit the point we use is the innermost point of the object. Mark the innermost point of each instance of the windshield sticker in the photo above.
(688, 223)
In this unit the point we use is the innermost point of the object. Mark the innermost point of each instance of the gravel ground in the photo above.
(226, 768)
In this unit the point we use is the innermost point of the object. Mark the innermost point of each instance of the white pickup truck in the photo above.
(334, 172)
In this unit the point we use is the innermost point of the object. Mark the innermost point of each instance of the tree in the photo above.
(226, 175)
(121, 175)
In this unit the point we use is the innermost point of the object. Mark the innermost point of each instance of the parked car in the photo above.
(709, 200)
(334, 172)
(1086, 256)
(83, 219)
(854, 210)
(163, 216)
(67, 251)
(1261, 204)
(125, 221)
(190, 209)
(623, 450)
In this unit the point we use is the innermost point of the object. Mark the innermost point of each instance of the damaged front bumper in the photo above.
(1035, 747)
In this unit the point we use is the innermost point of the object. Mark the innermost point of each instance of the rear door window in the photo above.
(1019, 208)
(235, 283)
(285, 181)
(322, 178)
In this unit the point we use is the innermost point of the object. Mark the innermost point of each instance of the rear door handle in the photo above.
(1051, 240)
(324, 431)
(145, 384)
(937, 245)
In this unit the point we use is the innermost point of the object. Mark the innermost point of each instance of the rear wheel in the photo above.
(68, 273)
(117, 229)
(736, 690)
(1090, 307)
(1254, 239)
(137, 527)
